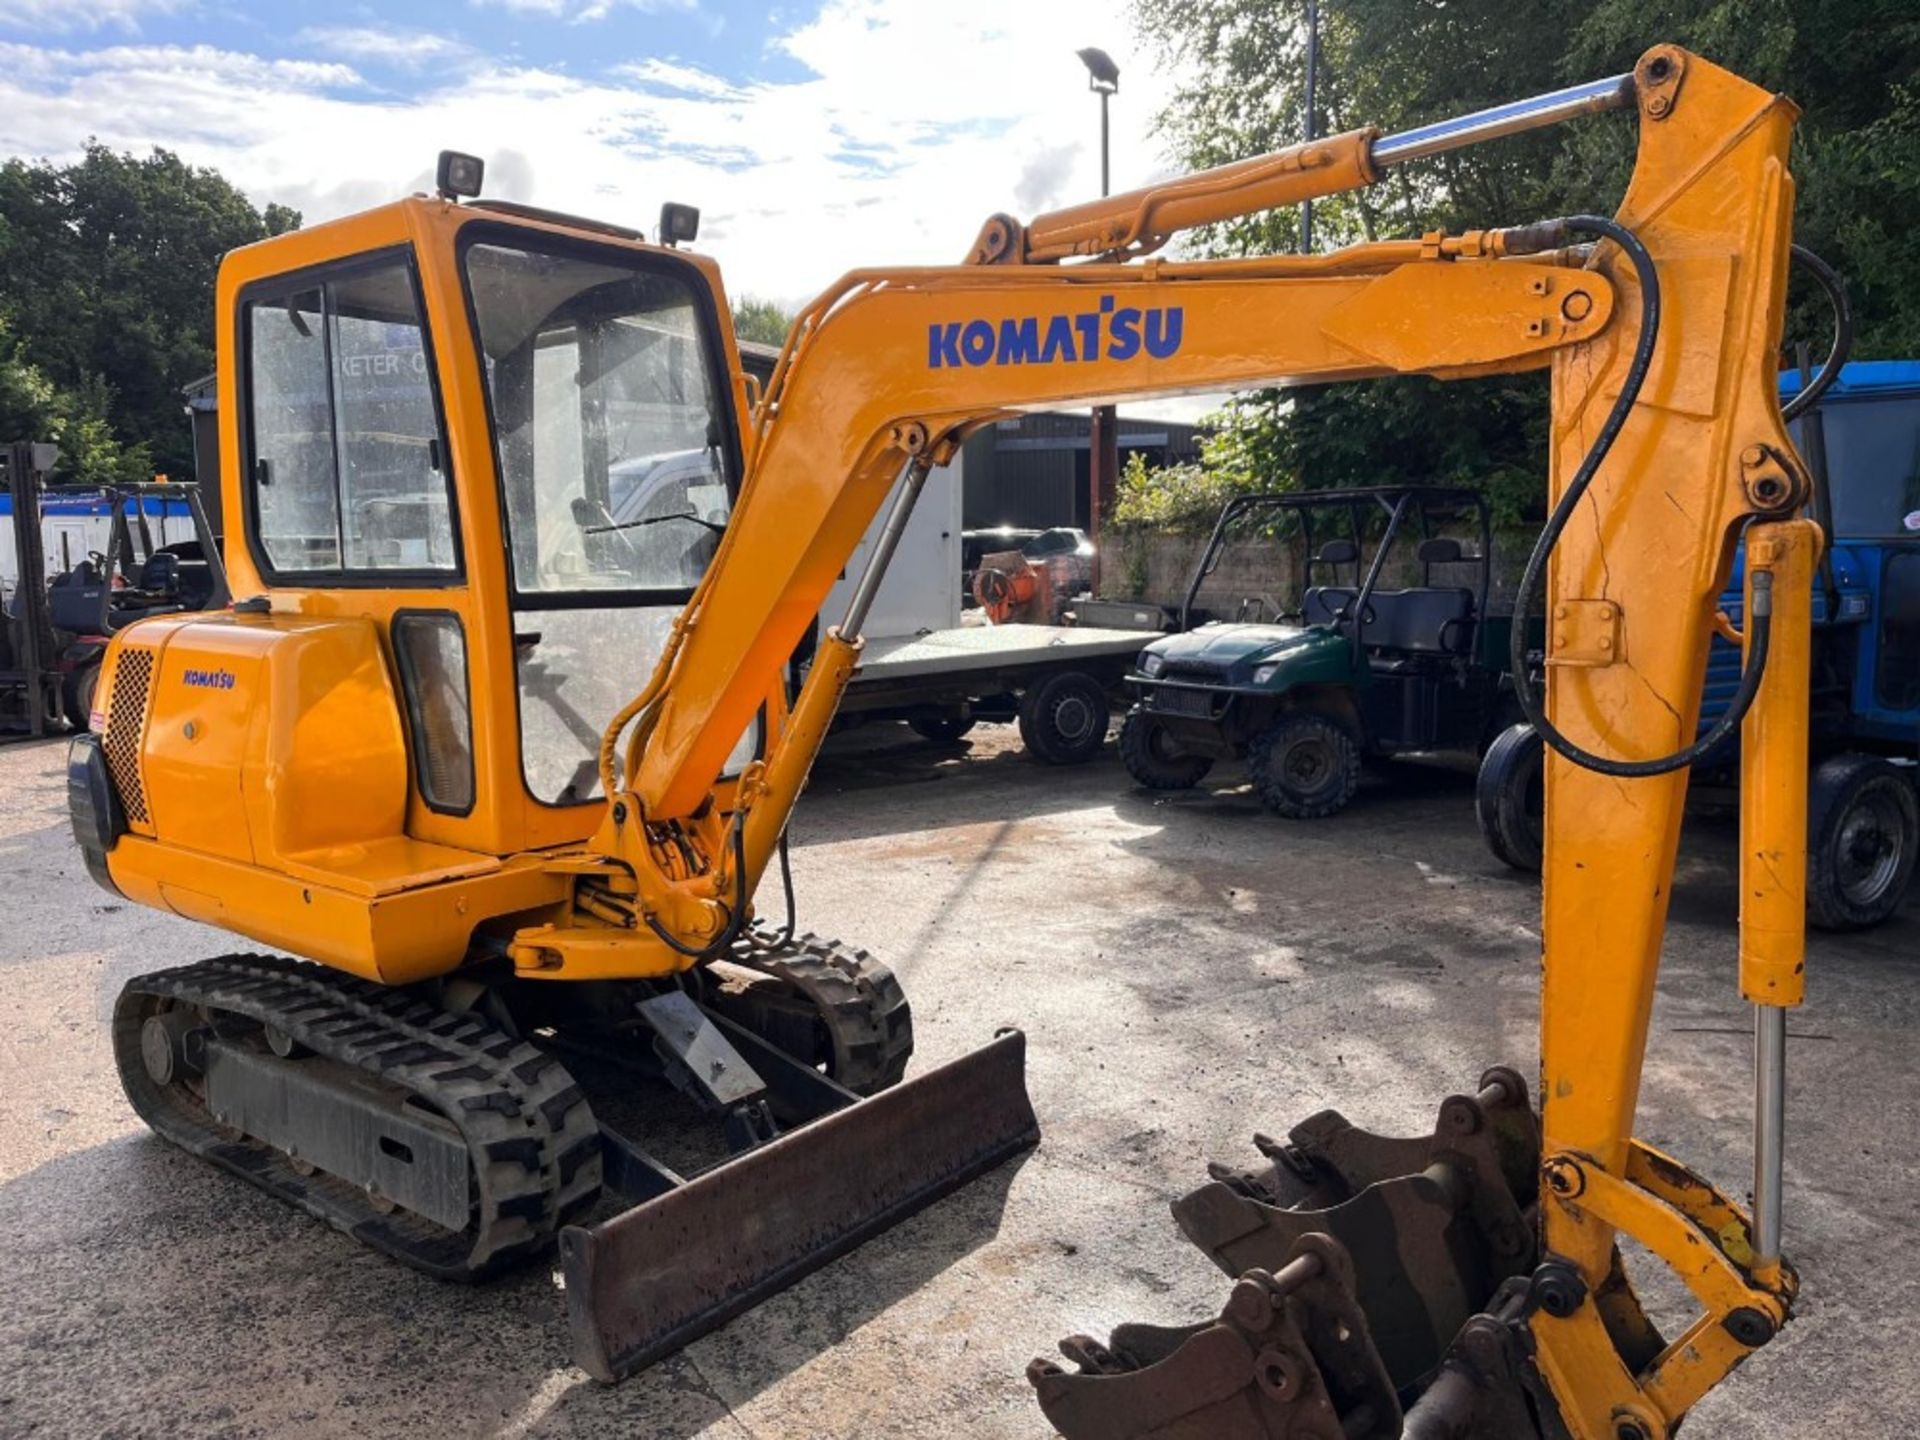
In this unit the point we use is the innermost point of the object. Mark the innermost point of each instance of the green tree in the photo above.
(761, 321)
(1853, 65)
(107, 270)
(32, 407)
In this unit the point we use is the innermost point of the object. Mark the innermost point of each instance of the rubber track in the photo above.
(531, 1137)
(868, 1020)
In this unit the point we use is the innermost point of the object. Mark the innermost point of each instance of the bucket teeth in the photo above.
(1289, 1358)
(1436, 1222)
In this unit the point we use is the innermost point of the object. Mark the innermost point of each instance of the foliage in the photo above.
(1853, 65)
(1178, 499)
(107, 270)
(761, 321)
(32, 407)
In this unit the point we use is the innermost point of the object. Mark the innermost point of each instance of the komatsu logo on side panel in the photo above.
(1113, 332)
(210, 679)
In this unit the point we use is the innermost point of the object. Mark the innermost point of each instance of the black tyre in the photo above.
(76, 693)
(1064, 718)
(1509, 799)
(944, 728)
(1863, 832)
(1152, 757)
(1305, 766)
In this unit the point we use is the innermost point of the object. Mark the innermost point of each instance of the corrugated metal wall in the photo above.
(1031, 471)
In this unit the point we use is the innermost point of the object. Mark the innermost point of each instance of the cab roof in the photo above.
(1862, 378)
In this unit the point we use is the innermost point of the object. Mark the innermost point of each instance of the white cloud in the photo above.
(67, 15)
(581, 11)
(876, 157)
(409, 50)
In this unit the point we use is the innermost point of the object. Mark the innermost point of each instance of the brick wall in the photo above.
(1136, 565)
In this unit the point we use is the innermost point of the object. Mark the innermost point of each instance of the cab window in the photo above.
(613, 432)
(346, 461)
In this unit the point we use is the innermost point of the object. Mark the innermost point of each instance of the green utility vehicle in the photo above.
(1355, 669)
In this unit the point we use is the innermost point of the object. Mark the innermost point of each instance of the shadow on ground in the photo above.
(324, 1337)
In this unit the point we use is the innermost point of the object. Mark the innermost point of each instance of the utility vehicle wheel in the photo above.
(1305, 767)
(1152, 757)
(1863, 832)
(944, 728)
(1063, 719)
(76, 693)
(1509, 799)
(1507, 714)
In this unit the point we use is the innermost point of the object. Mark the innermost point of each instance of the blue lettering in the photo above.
(976, 342)
(1070, 338)
(1089, 326)
(1019, 342)
(1059, 344)
(1163, 331)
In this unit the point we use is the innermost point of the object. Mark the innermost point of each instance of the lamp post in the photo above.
(1313, 68)
(1103, 437)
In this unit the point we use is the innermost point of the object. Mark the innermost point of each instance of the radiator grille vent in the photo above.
(126, 718)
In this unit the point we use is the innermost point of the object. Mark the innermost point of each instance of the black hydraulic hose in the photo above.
(736, 917)
(1759, 623)
(786, 889)
(1829, 280)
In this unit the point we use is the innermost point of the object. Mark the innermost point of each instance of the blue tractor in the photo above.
(1862, 442)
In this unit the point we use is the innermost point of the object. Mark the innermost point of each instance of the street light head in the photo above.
(1103, 75)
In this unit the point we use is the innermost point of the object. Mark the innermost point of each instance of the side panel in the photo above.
(922, 590)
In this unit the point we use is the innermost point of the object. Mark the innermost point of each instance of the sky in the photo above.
(814, 136)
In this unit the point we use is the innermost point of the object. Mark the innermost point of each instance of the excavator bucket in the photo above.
(652, 1278)
(1367, 1267)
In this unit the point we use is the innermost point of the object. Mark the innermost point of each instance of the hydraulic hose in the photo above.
(1759, 623)
(736, 915)
(1829, 280)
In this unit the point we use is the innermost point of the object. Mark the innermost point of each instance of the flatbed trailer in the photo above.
(1060, 683)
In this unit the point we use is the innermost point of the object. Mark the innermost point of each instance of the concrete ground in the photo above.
(1188, 970)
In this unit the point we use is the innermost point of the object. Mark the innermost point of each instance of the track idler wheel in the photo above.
(1290, 1358)
(1438, 1222)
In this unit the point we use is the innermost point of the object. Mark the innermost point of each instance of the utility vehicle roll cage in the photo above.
(1395, 501)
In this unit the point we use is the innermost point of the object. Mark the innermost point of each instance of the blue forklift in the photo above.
(1862, 443)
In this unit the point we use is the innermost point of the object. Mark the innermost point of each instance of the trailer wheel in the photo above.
(1509, 798)
(1863, 833)
(1305, 766)
(1153, 759)
(1064, 718)
(942, 728)
(77, 688)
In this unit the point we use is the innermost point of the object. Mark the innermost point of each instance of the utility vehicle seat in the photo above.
(1428, 620)
(1321, 605)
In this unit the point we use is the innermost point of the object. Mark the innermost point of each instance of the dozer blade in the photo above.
(651, 1279)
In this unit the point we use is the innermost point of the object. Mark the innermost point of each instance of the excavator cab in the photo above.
(480, 459)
